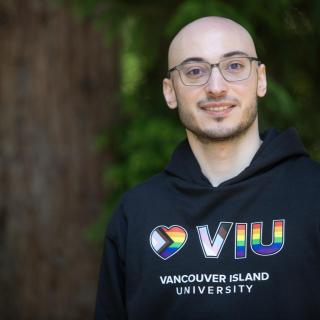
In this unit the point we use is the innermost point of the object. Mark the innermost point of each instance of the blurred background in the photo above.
(82, 119)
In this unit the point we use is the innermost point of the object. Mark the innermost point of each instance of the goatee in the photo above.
(219, 134)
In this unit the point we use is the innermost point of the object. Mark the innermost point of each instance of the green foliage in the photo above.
(286, 34)
(149, 142)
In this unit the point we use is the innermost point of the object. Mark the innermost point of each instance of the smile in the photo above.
(217, 109)
(222, 108)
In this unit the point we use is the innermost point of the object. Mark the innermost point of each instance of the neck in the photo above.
(222, 160)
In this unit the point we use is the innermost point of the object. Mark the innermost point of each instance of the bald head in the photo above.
(210, 38)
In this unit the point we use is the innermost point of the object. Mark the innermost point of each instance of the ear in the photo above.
(262, 81)
(169, 93)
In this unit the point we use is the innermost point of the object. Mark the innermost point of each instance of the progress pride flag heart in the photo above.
(167, 241)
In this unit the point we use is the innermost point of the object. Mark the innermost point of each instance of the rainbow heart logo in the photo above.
(167, 241)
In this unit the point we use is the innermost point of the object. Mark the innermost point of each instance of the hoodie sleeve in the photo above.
(110, 301)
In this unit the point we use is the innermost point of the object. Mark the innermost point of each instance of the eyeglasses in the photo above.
(198, 73)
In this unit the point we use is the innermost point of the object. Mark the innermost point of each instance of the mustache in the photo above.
(225, 99)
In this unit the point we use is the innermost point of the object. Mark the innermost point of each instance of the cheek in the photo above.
(245, 92)
(188, 96)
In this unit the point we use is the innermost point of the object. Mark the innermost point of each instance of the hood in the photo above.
(276, 147)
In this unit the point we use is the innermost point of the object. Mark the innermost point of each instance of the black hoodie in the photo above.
(178, 248)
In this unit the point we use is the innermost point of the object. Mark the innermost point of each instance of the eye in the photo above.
(234, 66)
(195, 71)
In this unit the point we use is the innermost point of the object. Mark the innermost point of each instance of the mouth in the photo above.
(218, 109)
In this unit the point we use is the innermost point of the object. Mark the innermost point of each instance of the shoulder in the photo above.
(304, 179)
(146, 193)
(147, 190)
(135, 205)
(308, 168)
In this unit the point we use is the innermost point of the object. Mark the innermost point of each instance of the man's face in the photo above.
(218, 110)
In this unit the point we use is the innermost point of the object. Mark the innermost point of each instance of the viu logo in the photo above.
(167, 241)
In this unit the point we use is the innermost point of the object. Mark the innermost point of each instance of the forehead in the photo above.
(209, 41)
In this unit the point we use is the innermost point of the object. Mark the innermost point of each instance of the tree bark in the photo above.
(57, 85)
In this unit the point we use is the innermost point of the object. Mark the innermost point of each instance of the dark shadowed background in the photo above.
(82, 119)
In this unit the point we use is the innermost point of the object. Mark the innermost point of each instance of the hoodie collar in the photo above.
(276, 147)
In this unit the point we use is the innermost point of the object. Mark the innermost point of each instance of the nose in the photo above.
(217, 85)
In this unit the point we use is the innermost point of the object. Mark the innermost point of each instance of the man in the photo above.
(231, 228)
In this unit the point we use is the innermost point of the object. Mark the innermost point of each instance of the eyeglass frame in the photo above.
(213, 65)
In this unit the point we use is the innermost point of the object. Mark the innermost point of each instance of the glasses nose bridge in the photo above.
(215, 65)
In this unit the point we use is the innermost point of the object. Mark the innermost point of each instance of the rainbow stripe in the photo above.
(166, 241)
(277, 242)
(240, 240)
(212, 247)
(178, 236)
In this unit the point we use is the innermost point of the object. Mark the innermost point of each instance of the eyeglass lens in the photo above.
(198, 73)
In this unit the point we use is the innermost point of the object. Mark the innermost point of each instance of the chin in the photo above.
(220, 133)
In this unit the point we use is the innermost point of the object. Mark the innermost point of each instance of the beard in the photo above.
(221, 133)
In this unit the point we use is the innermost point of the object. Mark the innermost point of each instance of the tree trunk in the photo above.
(57, 85)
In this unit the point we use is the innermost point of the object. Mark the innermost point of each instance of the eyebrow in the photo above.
(226, 55)
(235, 53)
(197, 59)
